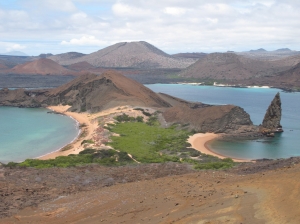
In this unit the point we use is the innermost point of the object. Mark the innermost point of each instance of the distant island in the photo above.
(147, 64)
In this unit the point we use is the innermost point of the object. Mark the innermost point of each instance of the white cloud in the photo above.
(175, 11)
(85, 40)
(173, 25)
(8, 46)
(130, 10)
(57, 5)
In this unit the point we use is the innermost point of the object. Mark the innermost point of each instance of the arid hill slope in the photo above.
(81, 66)
(3, 66)
(111, 89)
(43, 66)
(229, 66)
(262, 54)
(189, 55)
(289, 79)
(129, 54)
(65, 56)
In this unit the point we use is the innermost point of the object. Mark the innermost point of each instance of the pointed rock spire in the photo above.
(273, 116)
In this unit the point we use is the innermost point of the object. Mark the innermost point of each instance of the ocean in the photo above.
(32, 132)
(255, 101)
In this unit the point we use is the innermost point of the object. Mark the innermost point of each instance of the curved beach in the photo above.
(199, 142)
(81, 118)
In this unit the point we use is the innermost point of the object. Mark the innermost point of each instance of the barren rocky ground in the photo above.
(263, 192)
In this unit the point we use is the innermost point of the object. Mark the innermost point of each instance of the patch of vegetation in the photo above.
(152, 121)
(146, 142)
(214, 166)
(87, 151)
(87, 156)
(87, 141)
(82, 125)
(153, 144)
(67, 147)
(143, 111)
(83, 134)
(125, 118)
(83, 108)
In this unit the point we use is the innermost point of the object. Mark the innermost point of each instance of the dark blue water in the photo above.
(255, 101)
(29, 133)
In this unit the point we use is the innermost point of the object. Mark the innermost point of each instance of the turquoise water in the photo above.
(32, 132)
(255, 101)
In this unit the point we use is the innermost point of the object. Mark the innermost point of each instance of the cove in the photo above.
(255, 101)
(32, 132)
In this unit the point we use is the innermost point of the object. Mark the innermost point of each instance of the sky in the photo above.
(59, 26)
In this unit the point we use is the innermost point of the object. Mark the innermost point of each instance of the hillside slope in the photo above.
(229, 66)
(41, 66)
(94, 93)
(129, 54)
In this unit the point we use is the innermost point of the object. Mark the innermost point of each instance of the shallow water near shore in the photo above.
(32, 132)
(255, 101)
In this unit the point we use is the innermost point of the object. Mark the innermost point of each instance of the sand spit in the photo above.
(199, 142)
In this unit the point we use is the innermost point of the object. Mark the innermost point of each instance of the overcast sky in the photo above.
(59, 26)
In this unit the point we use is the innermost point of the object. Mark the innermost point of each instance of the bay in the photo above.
(32, 132)
(255, 101)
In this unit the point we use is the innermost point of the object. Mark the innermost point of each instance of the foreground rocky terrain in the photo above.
(154, 193)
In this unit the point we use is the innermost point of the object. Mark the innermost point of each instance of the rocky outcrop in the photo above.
(271, 122)
(207, 118)
(21, 98)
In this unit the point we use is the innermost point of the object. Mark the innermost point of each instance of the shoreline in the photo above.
(71, 142)
(200, 142)
(75, 144)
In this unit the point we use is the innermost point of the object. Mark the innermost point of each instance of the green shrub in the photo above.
(87, 156)
(139, 119)
(214, 166)
(87, 151)
(88, 141)
(153, 120)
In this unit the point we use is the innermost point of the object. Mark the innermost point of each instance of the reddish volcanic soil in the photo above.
(2, 66)
(42, 66)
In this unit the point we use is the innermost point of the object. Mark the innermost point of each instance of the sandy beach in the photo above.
(89, 125)
(199, 142)
(75, 146)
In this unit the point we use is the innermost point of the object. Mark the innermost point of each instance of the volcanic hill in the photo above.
(3, 66)
(94, 93)
(43, 66)
(230, 66)
(129, 54)
(81, 66)
(65, 56)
